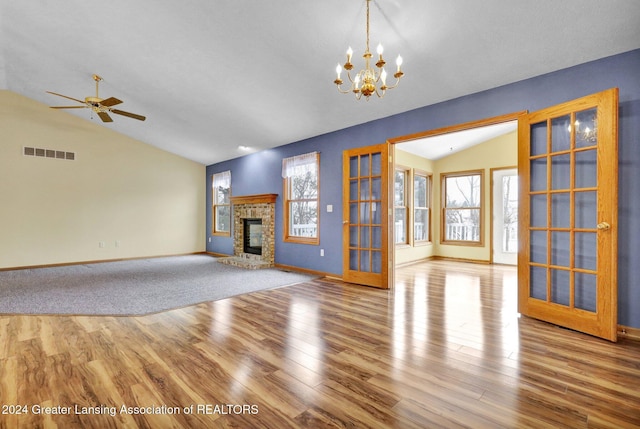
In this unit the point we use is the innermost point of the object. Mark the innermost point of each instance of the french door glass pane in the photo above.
(365, 237)
(364, 189)
(353, 260)
(538, 283)
(560, 287)
(538, 247)
(353, 213)
(376, 164)
(539, 138)
(365, 261)
(561, 133)
(353, 190)
(560, 249)
(375, 214)
(585, 255)
(376, 237)
(365, 212)
(376, 188)
(586, 169)
(353, 166)
(364, 165)
(585, 293)
(353, 236)
(561, 171)
(585, 128)
(376, 262)
(586, 207)
(560, 210)
(538, 174)
(539, 210)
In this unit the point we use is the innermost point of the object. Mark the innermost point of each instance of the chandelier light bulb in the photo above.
(349, 54)
(338, 70)
(383, 77)
(399, 62)
(380, 49)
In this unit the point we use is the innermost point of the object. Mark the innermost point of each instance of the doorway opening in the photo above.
(453, 154)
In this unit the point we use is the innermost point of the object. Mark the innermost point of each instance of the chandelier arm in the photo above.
(395, 84)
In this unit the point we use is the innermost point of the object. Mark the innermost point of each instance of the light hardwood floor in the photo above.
(445, 349)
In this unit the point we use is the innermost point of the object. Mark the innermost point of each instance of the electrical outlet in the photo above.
(101, 244)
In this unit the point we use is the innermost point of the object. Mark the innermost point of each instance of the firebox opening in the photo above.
(252, 239)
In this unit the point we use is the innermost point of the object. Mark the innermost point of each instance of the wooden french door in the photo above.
(365, 229)
(568, 165)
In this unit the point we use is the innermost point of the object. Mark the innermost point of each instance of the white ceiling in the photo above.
(439, 146)
(213, 75)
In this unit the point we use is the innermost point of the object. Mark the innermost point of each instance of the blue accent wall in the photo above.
(260, 173)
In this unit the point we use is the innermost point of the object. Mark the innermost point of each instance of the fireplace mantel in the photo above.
(254, 199)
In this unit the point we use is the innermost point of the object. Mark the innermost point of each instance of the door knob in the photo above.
(604, 226)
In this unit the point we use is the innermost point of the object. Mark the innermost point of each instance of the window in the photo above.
(421, 206)
(222, 203)
(400, 208)
(301, 198)
(462, 208)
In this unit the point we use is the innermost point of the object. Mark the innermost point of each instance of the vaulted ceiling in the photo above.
(211, 76)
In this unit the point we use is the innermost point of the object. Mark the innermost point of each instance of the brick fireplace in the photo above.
(253, 208)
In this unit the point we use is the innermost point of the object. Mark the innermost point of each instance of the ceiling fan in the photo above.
(102, 107)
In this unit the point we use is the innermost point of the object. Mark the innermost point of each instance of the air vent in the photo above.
(48, 153)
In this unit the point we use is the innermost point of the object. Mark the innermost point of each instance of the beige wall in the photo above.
(404, 253)
(499, 152)
(136, 199)
(496, 153)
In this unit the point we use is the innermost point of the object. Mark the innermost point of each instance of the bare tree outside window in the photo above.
(462, 207)
(510, 213)
(221, 203)
(421, 206)
(400, 207)
(301, 194)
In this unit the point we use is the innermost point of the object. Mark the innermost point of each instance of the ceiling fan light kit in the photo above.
(102, 107)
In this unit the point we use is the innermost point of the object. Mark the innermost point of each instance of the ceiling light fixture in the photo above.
(366, 80)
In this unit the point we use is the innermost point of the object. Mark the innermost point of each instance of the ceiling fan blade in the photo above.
(105, 117)
(68, 107)
(129, 115)
(64, 96)
(111, 101)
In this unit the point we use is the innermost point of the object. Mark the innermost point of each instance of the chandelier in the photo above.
(366, 81)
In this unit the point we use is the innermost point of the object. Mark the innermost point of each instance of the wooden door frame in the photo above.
(509, 117)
